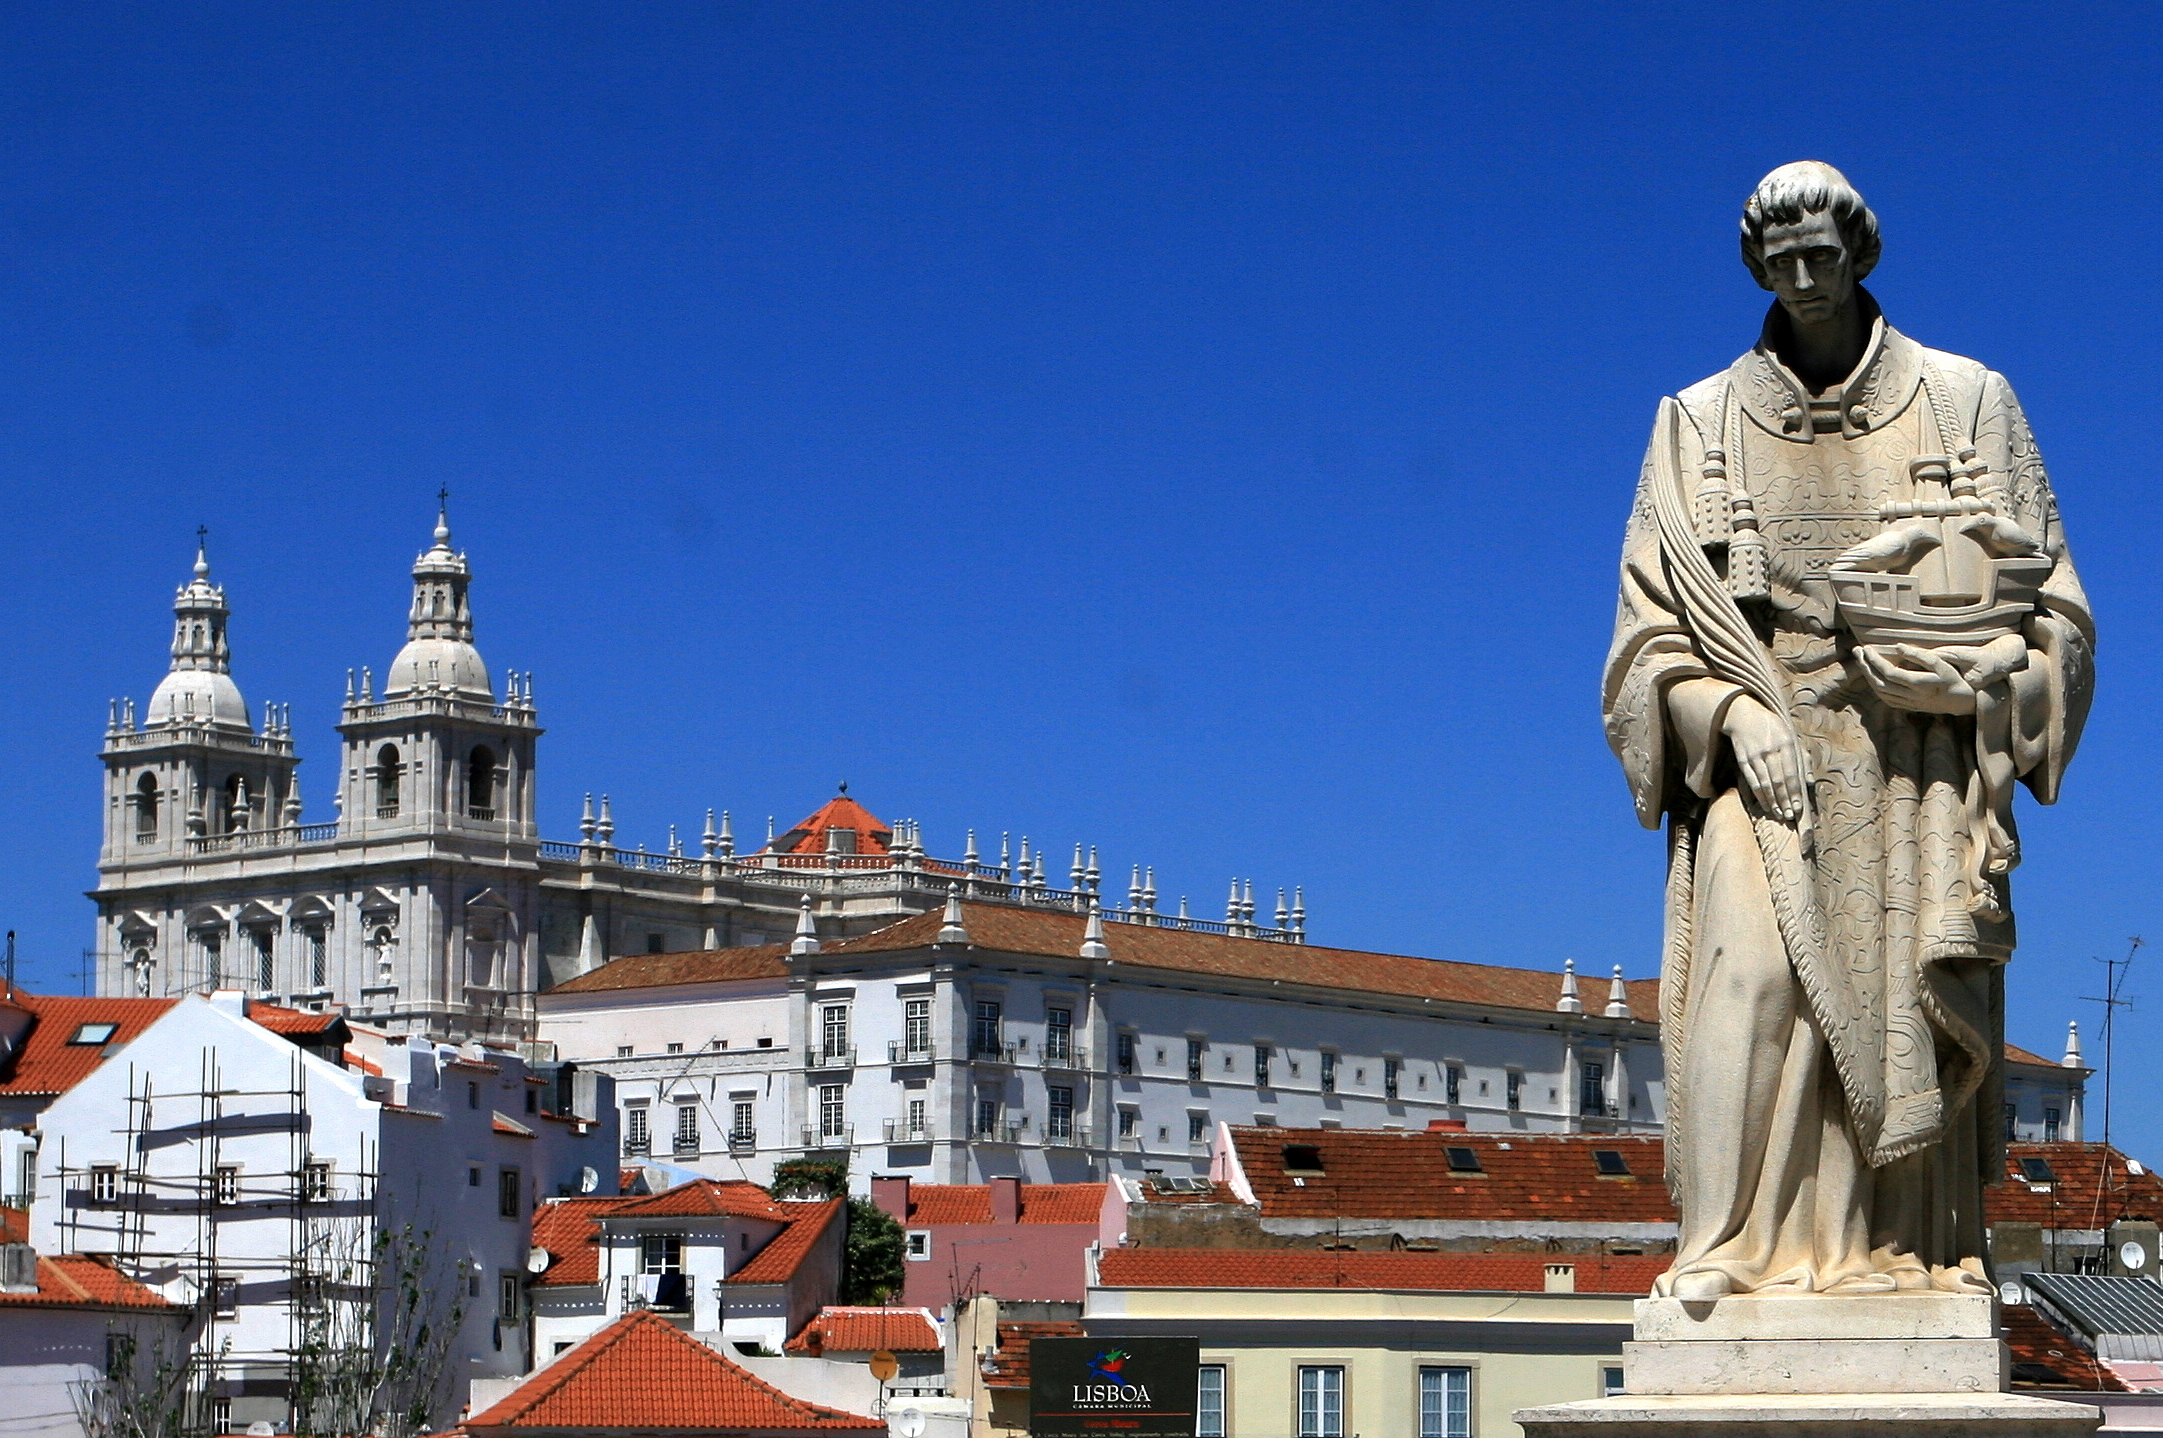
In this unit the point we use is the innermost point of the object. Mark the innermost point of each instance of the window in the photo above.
(221, 1415)
(315, 1181)
(1611, 1382)
(507, 1193)
(1130, 1122)
(473, 1176)
(104, 1183)
(1194, 1060)
(1059, 1120)
(916, 1116)
(213, 944)
(741, 1127)
(146, 807)
(634, 1128)
(481, 784)
(1262, 1055)
(1329, 1071)
(2050, 1125)
(225, 1183)
(832, 1109)
(2012, 1122)
(266, 966)
(916, 1026)
(1592, 1090)
(1125, 1053)
(660, 1253)
(1197, 1127)
(119, 1354)
(1464, 1160)
(225, 1295)
(473, 1095)
(987, 1116)
(984, 1032)
(29, 1187)
(388, 773)
(94, 1034)
(533, 1101)
(834, 1031)
(2038, 1170)
(657, 943)
(1445, 1403)
(318, 958)
(507, 1296)
(675, 1048)
(623, 1051)
(1321, 1403)
(1513, 1086)
(687, 1139)
(1390, 1069)
(1453, 1083)
(1058, 1035)
(1209, 1401)
(918, 1249)
(1611, 1163)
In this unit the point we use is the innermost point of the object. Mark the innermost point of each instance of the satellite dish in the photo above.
(588, 1180)
(883, 1366)
(538, 1260)
(908, 1423)
(2132, 1256)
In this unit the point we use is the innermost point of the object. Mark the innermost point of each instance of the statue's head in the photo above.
(1808, 237)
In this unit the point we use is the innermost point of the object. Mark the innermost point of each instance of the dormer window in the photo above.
(94, 1034)
(840, 841)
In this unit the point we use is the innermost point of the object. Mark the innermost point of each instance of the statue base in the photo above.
(1808, 1366)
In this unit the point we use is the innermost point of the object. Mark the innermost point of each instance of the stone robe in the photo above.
(1832, 997)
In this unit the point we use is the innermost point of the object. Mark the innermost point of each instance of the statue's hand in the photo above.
(1768, 756)
(1986, 664)
(1918, 680)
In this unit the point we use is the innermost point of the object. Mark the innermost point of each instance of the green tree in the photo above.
(809, 1178)
(871, 1254)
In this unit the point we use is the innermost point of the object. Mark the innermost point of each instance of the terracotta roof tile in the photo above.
(1388, 1173)
(2093, 1188)
(72, 1281)
(2018, 1055)
(1324, 1268)
(932, 1205)
(14, 1225)
(48, 1062)
(293, 1022)
(2044, 1358)
(568, 1229)
(640, 1373)
(500, 1124)
(808, 835)
(1016, 930)
(867, 1330)
(1009, 1366)
(697, 966)
(708, 1197)
(778, 1261)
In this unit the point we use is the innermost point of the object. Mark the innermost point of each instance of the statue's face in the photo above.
(1809, 268)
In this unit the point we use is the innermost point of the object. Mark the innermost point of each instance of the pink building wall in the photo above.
(1007, 1258)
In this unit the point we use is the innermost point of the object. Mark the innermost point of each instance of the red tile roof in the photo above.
(708, 1197)
(568, 1229)
(2037, 1344)
(2014, 1054)
(500, 1124)
(1053, 934)
(48, 1063)
(867, 1330)
(641, 1374)
(1385, 1173)
(14, 1225)
(2094, 1188)
(778, 1261)
(1009, 1366)
(1325, 1268)
(697, 966)
(293, 1022)
(72, 1281)
(808, 836)
(932, 1205)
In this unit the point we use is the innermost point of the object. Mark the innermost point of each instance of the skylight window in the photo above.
(95, 1034)
(1464, 1160)
(2037, 1170)
(1611, 1163)
(1302, 1158)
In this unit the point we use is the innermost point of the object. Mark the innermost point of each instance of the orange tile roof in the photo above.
(1386, 1173)
(709, 1197)
(2038, 1348)
(72, 1281)
(14, 1225)
(641, 1374)
(2094, 1188)
(778, 1261)
(808, 836)
(867, 1330)
(932, 1205)
(291, 1022)
(1055, 934)
(1009, 1366)
(568, 1229)
(1325, 1268)
(500, 1124)
(2014, 1054)
(696, 966)
(48, 1063)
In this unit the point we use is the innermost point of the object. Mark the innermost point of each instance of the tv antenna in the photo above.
(2112, 1000)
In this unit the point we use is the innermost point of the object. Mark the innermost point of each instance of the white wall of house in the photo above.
(50, 1356)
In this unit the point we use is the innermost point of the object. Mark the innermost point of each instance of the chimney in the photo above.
(18, 1268)
(892, 1197)
(1561, 1278)
(1445, 1125)
(1006, 1200)
(230, 1001)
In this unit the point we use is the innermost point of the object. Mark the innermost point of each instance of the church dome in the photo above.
(206, 694)
(200, 686)
(449, 663)
(439, 655)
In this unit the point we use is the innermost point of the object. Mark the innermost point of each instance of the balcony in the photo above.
(830, 1058)
(480, 811)
(999, 1132)
(1073, 1135)
(995, 1053)
(634, 1147)
(686, 1146)
(817, 1137)
(742, 1143)
(659, 1292)
(902, 1131)
(1072, 1057)
(898, 1053)
(1130, 1143)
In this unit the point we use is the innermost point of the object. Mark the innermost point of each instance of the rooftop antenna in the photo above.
(11, 963)
(2112, 1000)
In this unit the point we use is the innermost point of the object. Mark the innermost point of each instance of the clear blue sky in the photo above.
(1200, 431)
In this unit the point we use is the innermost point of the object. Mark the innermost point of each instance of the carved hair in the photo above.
(1808, 187)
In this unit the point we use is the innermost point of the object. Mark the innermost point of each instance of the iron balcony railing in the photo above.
(898, 1053)
(820, 1136)
(900, 1130)
(830, 1058)
(1072, 1057)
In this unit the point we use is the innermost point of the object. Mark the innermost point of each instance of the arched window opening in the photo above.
(146, 807)
(236, 804)
(481, 784)
(388, 772)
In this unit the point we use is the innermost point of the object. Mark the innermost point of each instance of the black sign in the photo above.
(1112, 1387)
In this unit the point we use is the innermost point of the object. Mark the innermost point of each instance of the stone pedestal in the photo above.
(1927, 1364)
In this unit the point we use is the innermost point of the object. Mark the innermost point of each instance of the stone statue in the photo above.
(1848, 624)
